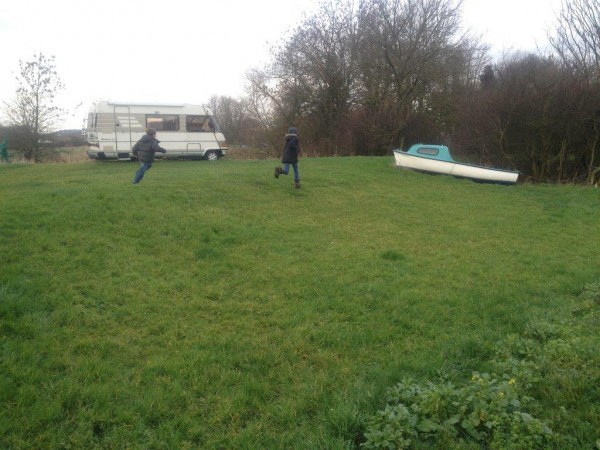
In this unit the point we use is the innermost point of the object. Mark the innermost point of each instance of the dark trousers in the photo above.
(141, 171)
(286, 170)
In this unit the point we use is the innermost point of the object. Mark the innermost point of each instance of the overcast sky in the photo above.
(187, 50)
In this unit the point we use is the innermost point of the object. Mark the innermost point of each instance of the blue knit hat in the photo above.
(292, 130)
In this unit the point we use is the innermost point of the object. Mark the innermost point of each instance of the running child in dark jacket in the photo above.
(290, 156)
(144, 150)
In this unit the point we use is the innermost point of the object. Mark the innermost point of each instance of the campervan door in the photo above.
(123, 124)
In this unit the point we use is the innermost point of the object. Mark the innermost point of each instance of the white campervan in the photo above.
(185, 131)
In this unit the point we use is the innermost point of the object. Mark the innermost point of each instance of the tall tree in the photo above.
(33, 110)
(311, 81)
(416, 58)
(577, 42)
(577, 36)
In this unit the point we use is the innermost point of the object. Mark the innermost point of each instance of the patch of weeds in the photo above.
(98, 428)
(12, 303)
(486, 410)
(206, 253)
(392, 255)
(591, 293)
(475, 347)
(230, 241)
(213, 296)
(541, 330)
(543, 397)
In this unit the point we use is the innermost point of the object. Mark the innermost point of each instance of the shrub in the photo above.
(486, 410)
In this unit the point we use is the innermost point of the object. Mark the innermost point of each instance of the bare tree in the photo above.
(577, 37)
(33, 109)
(236, 121)
(312, 79)
(415, 59)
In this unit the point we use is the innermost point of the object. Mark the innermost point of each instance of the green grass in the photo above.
(214, 306)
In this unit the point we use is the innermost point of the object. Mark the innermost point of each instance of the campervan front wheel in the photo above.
(212, 156)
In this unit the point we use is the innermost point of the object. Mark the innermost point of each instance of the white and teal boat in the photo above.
(437, 159)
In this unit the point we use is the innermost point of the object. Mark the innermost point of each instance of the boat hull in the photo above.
(461, 170)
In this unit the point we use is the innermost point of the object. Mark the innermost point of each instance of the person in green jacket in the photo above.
(4, 150)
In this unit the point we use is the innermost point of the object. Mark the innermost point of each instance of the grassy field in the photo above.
(214, 306)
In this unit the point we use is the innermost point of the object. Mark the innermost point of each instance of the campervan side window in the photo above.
(428, 151)
(162, 122)
(199, 124)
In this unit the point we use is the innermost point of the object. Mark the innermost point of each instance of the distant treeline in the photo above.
(18, 138)
(364, 77)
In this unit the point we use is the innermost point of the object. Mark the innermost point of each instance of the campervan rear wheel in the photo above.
(212, 156)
